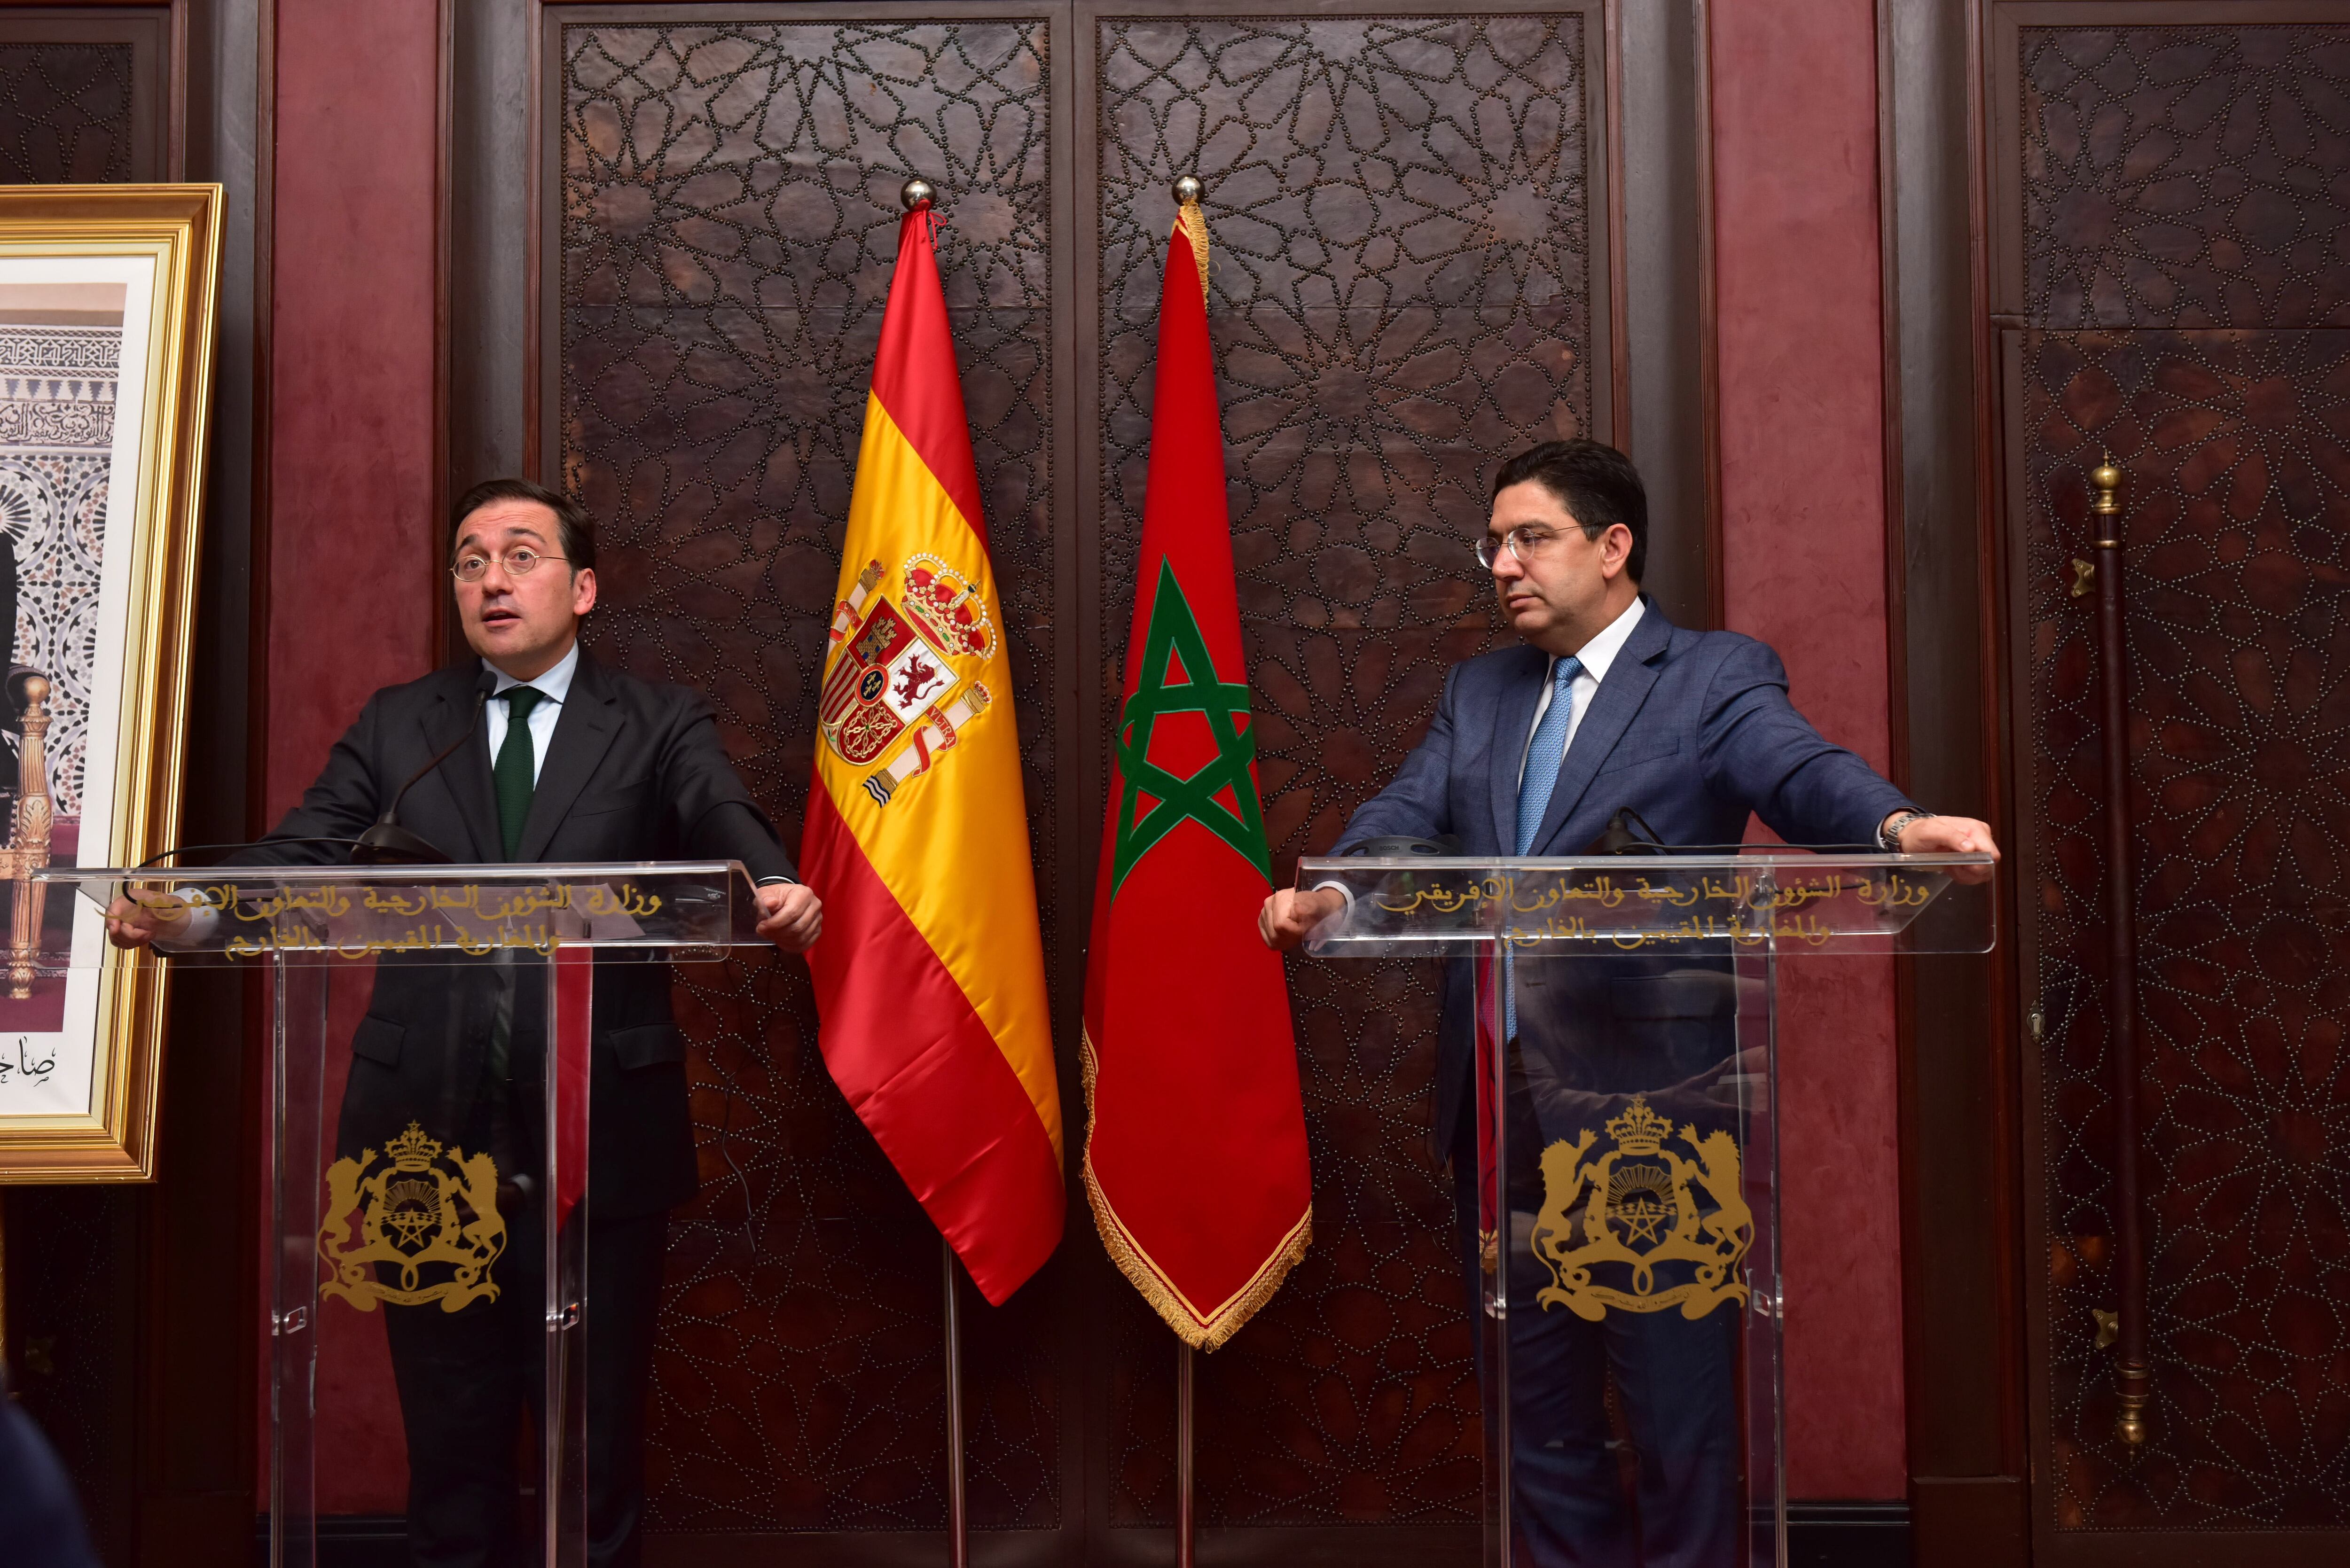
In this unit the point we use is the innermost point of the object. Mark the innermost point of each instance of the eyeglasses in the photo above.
(1525, 544)
(517, 563)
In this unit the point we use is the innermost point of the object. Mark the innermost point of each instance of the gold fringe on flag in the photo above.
(1200, 1331)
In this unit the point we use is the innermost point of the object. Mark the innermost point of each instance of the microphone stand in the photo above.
(389, 843)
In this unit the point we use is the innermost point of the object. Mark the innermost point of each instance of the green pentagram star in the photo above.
(1175, 630)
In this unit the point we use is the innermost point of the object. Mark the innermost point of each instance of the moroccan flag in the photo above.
(929, 977)
(1196, 1161)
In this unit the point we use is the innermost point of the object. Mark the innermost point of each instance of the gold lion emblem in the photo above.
(1641, 1217)
(419, 1207)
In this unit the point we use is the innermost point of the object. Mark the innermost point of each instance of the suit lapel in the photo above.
(1612, 708)
(583, 733)
(1512, 717)
(466, 774)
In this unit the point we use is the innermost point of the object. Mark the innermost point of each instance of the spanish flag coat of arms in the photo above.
(929, 977)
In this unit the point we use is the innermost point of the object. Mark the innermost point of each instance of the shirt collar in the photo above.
(554, 684)
(1601, 651)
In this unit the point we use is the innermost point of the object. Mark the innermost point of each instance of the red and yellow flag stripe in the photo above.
(929, 976)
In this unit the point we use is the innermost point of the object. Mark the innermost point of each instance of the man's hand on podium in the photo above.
(134, 923)
(790, 916)
(1950, 836)
(1291, 912)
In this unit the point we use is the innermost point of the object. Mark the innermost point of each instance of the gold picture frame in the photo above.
(101, 600)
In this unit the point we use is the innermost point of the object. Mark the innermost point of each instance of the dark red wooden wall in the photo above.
(2070, 225)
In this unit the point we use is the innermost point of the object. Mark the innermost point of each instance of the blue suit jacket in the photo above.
(1692, 729)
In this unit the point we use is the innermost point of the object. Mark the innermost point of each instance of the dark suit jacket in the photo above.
(634, 773)
(1691, 729)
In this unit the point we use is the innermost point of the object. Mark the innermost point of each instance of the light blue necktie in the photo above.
(1544, 753)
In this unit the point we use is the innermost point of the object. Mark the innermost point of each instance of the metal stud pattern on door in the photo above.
(730, 215)
(2177, 180)
(1401, 210)
(1400, 295)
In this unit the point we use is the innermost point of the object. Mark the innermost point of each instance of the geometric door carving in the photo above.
(1403, 291)
(2181, 195)
(1401, 296)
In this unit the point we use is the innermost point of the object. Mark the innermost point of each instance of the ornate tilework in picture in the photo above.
(57, 438)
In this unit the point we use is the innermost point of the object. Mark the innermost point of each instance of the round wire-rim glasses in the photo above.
(1522, 543)
(517, 563)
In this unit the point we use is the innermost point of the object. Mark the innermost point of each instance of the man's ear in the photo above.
(1614, 550)
(583, 590)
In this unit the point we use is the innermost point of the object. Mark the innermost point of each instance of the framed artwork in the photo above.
(106, 352)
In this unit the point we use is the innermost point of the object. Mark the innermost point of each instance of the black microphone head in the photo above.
(389, 843)
(485, 685)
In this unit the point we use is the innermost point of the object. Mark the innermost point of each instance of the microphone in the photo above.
(1617, 837)
(388, 843)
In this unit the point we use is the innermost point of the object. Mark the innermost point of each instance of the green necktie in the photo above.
(513, 774)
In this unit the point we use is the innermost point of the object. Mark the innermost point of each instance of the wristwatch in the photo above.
(1888, 837)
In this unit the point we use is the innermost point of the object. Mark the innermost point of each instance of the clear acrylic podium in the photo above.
(1626, 1193)
(416, 1164)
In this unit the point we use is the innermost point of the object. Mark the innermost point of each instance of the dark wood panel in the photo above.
(1658, 181)
(131, 1308)
(2237, 509)
(2159, 171)
(728, 216)
(1405, 291)
(1961, 1310)
(1405, 255)
(73, 1282)
(2162, 164)
(84, 95)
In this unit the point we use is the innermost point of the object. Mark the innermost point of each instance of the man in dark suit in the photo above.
(1604, 706)
(562, 759)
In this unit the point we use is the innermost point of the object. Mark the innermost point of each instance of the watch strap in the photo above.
(1888, 837)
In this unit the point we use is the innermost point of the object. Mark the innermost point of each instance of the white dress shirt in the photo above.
(553, 687)
(1598, 655)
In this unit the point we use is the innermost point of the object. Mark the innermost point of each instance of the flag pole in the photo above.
(958, 1514)
(1187, 192)
(915, 195)
(1185, 1533)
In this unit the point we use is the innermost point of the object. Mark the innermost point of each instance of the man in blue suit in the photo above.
(1606, 706)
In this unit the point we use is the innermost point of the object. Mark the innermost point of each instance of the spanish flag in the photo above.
(1196, 1162)
(929, 977)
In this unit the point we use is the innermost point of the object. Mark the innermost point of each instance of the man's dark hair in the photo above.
(1597, 485)
(575, 531)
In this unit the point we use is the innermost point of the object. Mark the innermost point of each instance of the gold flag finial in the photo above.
(1192, 224)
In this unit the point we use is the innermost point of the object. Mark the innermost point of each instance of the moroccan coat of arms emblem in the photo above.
(428, 1225)
(1643, 1227)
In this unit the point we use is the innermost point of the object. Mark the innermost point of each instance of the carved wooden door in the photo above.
(1409, 213)
(2172, 213)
